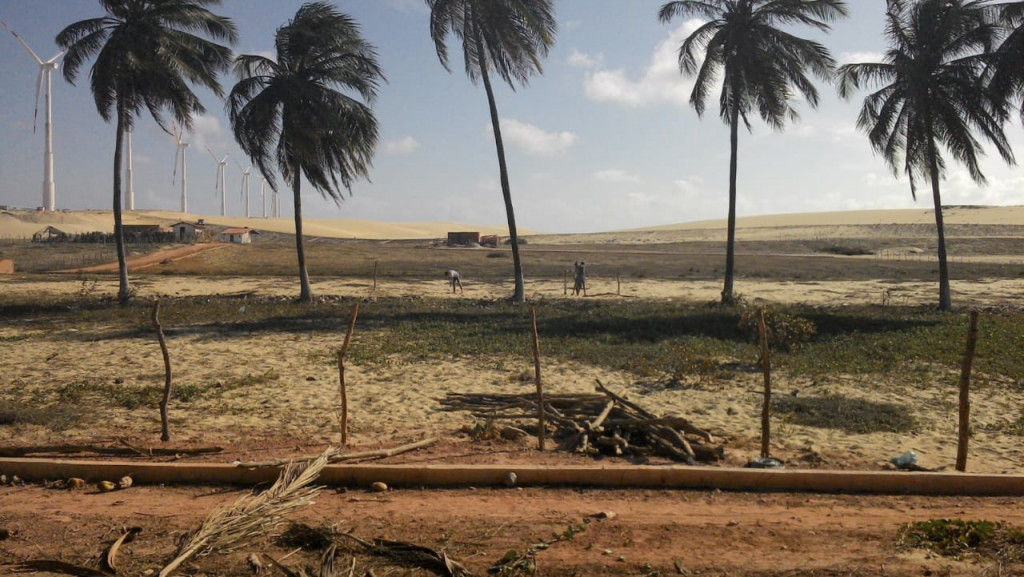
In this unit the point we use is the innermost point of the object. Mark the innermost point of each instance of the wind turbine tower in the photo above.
(263, 194)
(245, 185)
(180, 151)
(130, 190)
(45, 72)
(221, 163)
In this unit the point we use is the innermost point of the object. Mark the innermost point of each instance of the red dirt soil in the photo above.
(651, 532)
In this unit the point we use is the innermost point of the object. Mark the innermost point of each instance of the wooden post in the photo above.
(374, 275)
(618, 284)
(165, 433)
(341, 373)
(766, 431)
(540, 389)
(965, 385)
(565, 282)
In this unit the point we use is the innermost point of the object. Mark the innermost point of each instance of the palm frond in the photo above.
(252, 515)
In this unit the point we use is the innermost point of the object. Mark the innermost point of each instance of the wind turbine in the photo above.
(245, 185)
(45, 72)
(180, 151)
(220, 181)
(263, 194)
(130, 190)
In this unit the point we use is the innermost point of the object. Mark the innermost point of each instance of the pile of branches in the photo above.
(602, 423)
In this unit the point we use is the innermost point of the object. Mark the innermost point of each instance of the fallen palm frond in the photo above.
(413, 555)
(58, 567)
(252, 515)
(110, 558)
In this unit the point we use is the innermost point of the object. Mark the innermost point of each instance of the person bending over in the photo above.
(454, 279)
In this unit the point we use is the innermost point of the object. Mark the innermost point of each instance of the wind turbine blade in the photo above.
(35, 113)
(239, 164)
(22, 42)
(54, 59)
(212, 155)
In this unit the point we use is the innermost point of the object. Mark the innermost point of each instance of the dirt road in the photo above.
(647, 532)
(161, 256)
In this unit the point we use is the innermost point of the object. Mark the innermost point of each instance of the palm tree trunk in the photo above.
(305, 293)
(519, 296)
(124, 291)
(945, 299)
(728, 297)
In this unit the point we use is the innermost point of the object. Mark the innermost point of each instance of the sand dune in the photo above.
(19, 224)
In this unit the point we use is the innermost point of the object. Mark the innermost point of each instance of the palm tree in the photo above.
(508, 37)
(147, 52)
(932, 96)
(291, 114)
(761, 67)
(1007, 80)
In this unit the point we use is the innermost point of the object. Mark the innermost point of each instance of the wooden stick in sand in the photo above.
(540, 387)
(766, 366)
(341, 372)
(965, 385)
(165, 433)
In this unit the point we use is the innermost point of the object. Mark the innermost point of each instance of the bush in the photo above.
(784, 332)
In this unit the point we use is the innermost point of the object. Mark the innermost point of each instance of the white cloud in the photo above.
(404, 145)
(660, 82)
(534, 140)
(859, 57)
(206, 132)
(582, 60)
(616, 175)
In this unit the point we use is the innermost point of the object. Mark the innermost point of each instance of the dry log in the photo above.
(118, 451)
(336, 458)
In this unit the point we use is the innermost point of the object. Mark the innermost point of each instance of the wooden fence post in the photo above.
(165, 432)
(541, 433)
(965, 385)
(766, 431)
(341, 375)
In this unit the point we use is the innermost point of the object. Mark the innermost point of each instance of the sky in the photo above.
(605, 139)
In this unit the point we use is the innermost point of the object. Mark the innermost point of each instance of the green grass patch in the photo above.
(56, 418)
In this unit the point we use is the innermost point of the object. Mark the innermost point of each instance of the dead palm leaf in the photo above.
(252, 514)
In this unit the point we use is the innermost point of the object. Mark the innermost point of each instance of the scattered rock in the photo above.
(379, 487)
(106, 486)
(510, 479)
(75, 483)
(4, 533)
(604, 515)
(125, 482)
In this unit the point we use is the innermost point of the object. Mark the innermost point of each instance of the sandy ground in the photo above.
(398, 401)
(293, 411)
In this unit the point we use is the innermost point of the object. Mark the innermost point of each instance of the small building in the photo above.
(6, 266)
(187, 231)
(50, 233)
(238, 235)
(490, 240)
(463, 238)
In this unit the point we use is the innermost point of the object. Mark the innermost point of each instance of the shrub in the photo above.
(784, 332)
